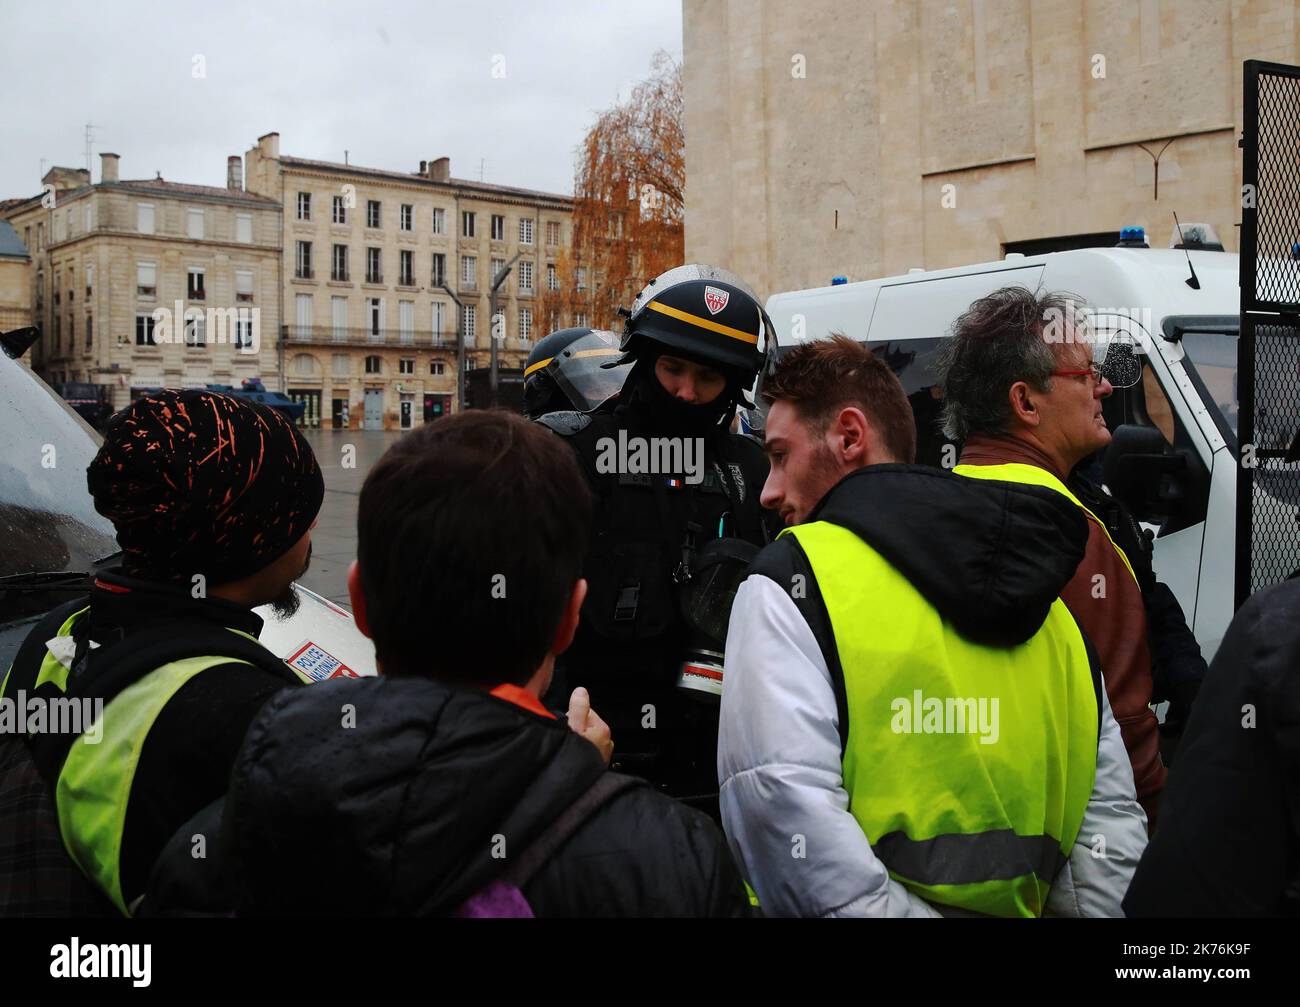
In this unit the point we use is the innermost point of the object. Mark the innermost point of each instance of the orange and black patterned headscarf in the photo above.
(196, 482)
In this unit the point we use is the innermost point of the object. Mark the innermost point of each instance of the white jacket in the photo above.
(785, 809)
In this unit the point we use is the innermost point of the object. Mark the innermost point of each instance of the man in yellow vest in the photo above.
(1023, 394)
(913, 723)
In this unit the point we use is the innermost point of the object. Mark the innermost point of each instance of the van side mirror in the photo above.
(1144, 472)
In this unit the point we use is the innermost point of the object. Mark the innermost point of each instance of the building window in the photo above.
(406, 268)
(406, 321)
(194, 224)
(341, 365)
(439, 319)
(302, 313)
(195, 329)
(406, 365)
(194, 284)
(580, 320)
(243, 285)
(58, 289)
(244, 228)
(552, 279)
(58, 330)
(471, 322)
(525, 325)
(526, 276)
(582, 277)
(552, 232)
(340, 212)
(437, 368)
(439, 272)
(143, 218)
(303, 267)
(439, 220)
(495, 267)
(525, 230)
(304, 206)
(144, 330)
(243, 329)
(372, 365)
(40, 288)
(146, 279)
(90, 215)
(375, 310)
(90, 328)
(90, 279)
(406, 217)
(72, 331)
(466, 224)
(339, 264)
(468, 270)
(339, 317)
(498, 227)
(372, 213)
(374, 265)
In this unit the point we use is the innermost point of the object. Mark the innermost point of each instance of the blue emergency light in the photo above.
(1133, 237)
(837, 280)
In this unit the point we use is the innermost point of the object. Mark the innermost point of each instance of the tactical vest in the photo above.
(968, 767)
(91, 771)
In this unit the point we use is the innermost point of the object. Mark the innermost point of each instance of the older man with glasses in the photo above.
(1023, 393)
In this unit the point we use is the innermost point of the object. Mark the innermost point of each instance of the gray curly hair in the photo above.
(996, 342)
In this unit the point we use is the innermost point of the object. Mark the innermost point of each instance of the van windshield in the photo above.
(48, 523)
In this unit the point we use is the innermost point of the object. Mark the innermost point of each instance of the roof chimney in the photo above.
(440, 170)
(107, 168)
(269, 144)
(424, 167)
(235, 172)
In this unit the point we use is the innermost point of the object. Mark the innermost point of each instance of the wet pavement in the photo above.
(334, 540)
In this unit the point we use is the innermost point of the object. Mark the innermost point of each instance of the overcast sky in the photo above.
(392, 82)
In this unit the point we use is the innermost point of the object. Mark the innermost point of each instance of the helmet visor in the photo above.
(578, 370)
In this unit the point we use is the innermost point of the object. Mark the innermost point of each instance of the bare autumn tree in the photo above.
(629, 190)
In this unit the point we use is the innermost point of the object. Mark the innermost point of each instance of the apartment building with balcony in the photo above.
(148, 282)
(372, 259)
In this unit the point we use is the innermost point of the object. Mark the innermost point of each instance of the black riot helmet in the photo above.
(705, 314)
(565, 371)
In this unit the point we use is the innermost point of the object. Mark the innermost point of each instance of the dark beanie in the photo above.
(196, 482)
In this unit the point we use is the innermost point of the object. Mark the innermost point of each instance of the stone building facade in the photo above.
(369, 332)
(826, 138)
(142, 283)
(15, 280)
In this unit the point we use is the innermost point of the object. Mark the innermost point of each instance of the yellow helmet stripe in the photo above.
(610, 352)
(537, 366)
(703, 323)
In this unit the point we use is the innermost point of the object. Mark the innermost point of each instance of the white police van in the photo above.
(1173, 457)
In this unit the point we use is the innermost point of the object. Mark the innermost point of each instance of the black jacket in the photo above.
(1229, 838)
(401, 814)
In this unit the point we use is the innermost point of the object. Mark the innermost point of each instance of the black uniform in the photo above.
(633, 636)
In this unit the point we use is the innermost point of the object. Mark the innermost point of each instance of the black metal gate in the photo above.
(1268, 365)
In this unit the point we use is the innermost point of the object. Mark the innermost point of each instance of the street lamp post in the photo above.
(499, 279)
(460, 346)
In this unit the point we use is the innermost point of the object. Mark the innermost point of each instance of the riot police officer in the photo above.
(565, 372)
(677, 520)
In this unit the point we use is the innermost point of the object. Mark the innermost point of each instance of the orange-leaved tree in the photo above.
(628, 190)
